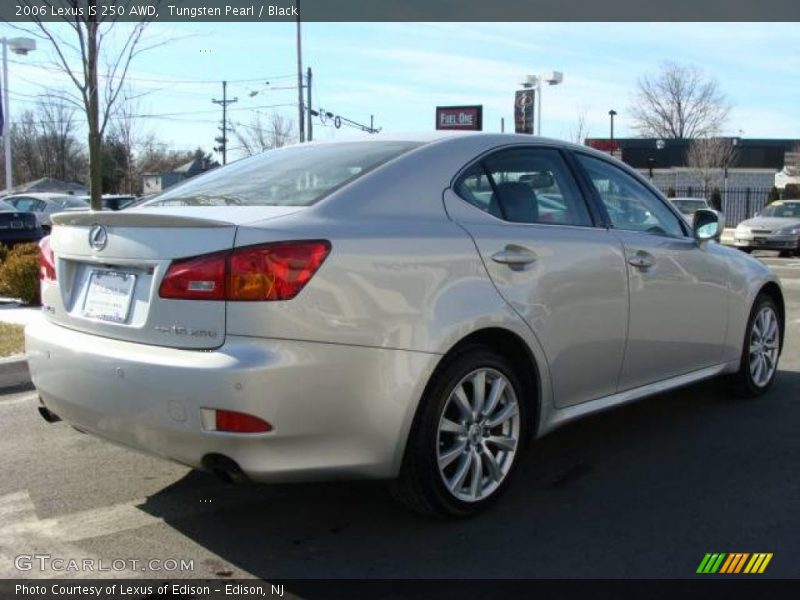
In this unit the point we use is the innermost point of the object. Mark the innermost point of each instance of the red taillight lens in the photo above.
(47, 260)
(200, 278)
(274, 271)
(236, 422)
(255, 273)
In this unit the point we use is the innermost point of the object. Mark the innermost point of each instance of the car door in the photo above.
(678, 287)
(563, 275)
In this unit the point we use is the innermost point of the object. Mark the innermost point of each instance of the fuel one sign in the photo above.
(467, 118)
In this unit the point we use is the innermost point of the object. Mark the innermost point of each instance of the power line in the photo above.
(159, 80)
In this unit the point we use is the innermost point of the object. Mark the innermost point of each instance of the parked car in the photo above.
(688, 206)
(112, 201)
(364, 309)
(17, 227)
(117, 201)
(776, 227)
(44, 205)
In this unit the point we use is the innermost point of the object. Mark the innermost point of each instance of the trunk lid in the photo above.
(110, 265)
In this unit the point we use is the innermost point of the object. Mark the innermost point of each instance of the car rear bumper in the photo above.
(337, 411)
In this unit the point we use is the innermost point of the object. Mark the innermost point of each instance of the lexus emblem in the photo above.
(98, 238)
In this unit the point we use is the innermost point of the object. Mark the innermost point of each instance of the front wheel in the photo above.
(761, 349)
(467, 437)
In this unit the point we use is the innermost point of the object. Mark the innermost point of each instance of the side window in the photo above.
(629, 204)
(24, 204)
(525, 185)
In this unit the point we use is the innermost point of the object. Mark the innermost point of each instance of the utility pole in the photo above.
(308, 102)
(223, 139)
(301, 116)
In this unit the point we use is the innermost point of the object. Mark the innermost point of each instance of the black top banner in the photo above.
(399, 10)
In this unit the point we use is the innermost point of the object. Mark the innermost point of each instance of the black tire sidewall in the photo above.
(425, 434)
(747, 386)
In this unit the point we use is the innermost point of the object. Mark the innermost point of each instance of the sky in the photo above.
(399, 73)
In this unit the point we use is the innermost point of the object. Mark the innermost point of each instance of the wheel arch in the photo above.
(511, 346)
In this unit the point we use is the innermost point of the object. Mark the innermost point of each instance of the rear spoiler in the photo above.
(131, 219)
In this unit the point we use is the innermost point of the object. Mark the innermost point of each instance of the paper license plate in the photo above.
(109, 296)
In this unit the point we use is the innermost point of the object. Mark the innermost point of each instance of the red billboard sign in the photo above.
(468, 118)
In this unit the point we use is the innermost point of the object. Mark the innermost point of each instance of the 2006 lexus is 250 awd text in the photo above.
(407, 308)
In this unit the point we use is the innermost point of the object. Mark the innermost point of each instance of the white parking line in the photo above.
(22, 533)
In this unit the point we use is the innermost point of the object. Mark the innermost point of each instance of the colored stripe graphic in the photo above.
(733, 563)
(711, 563)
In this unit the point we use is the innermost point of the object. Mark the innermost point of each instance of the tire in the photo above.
(786, 253)
(749, 382)
(746, 250)
(447, 444)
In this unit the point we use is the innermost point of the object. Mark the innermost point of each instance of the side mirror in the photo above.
(706, 225)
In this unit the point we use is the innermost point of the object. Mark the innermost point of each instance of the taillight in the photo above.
(199, 278)
(276, 271)
(47, 260)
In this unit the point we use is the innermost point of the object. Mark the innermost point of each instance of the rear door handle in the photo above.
(641, 259)
(514, 256)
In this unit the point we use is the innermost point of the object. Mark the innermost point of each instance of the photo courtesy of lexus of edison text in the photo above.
(296, 295)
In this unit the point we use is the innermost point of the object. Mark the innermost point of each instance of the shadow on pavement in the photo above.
(640, 491)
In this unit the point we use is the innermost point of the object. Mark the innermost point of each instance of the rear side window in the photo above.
(525, 185)
(629, 204)
(295, 176)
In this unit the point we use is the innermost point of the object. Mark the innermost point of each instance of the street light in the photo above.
(535, 81)
(612, 113)
(21, 46)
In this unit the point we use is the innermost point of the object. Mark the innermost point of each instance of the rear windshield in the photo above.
(689, 204)
(295, 176)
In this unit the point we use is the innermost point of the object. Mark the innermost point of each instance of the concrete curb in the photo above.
(14, 371)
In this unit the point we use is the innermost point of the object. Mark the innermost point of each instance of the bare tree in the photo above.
(679, 102)
(259, 136)
(708, 158)
(45, 143)
(126, 129)
(92, 34)
(580, 131)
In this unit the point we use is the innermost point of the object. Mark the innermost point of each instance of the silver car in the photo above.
(399, 308)
(45, 204)
(776, 227)
(688, 206)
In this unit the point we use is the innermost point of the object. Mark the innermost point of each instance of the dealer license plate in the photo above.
(109, 296)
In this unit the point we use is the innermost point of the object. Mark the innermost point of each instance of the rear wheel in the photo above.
(746, 250)
(466, 438)
(761, 349)
(786, 253)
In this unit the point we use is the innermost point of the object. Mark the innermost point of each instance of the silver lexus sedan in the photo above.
(411, 309)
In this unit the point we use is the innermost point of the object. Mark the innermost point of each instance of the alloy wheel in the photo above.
(764, 343)
(478, 435)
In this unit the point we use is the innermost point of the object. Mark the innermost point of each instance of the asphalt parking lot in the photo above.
(642, 491)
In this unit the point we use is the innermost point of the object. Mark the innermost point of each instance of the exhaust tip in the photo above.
(47, 415)
(224, 468)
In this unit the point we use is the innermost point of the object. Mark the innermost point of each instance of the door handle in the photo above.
(641, 259)
(515, 257)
